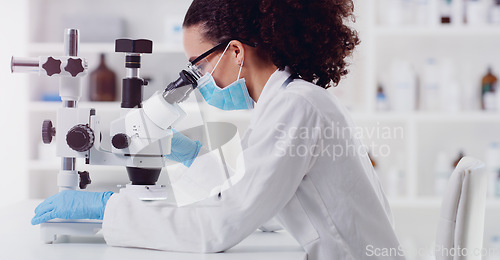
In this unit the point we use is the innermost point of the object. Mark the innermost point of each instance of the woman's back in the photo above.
(339, 208)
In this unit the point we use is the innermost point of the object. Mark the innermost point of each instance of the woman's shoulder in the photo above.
(323, 101)
(315, 94)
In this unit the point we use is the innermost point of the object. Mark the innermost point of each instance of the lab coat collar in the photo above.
(272, 88)
(273, 85)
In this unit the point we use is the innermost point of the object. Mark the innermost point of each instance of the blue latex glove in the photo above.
(183, 149)
(72, 204)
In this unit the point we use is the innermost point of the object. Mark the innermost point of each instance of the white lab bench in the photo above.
(20, 240)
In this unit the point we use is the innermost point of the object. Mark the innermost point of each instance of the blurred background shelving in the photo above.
(468, 48)
(405, 160)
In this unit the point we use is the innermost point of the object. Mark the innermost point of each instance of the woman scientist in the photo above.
(320, 185)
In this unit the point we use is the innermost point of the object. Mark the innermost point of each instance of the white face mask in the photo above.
(235, 96)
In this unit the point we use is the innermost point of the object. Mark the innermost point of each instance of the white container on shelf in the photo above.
(430, 92)
(422, 11)
(450, 88)
(403, 86)
(476, 12)
(470, 81)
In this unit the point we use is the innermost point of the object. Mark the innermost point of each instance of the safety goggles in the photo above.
(199, 64)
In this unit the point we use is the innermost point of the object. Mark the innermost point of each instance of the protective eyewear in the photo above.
(199, 64)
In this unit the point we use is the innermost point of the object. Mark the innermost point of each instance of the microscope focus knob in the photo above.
(48, 131)
(120, 141)
(84, 179)
(80, 138)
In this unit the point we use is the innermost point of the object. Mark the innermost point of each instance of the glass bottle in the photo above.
(102, 82)
(488, 90)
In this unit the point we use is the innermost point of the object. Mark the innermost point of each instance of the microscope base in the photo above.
(49, 231)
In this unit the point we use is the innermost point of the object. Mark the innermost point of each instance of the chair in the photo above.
(461, 223)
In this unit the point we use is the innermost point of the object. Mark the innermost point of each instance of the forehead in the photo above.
(194, 42)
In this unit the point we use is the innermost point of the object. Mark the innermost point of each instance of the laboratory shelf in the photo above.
(39, 47)
(436, 31)
(429, 116)
(458, 117)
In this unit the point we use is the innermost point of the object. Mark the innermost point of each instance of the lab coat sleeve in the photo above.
(271, 169)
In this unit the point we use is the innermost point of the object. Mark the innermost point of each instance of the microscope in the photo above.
(140, 137)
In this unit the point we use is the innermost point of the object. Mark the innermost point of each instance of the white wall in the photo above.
(13, 104)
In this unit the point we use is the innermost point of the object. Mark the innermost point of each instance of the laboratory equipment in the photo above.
(140, 138)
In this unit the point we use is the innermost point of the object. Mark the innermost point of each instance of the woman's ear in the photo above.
(237, 52)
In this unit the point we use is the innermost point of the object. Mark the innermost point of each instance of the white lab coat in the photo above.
(332, 205)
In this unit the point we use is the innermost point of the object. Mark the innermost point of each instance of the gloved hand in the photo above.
(72, 204)
(183, 149)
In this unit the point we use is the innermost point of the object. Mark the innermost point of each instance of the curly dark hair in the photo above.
(308, 36)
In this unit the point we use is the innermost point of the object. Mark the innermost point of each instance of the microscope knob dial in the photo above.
(74, 67)
(52, 66)
(120, 141)
(80, 138)
(48, 131)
